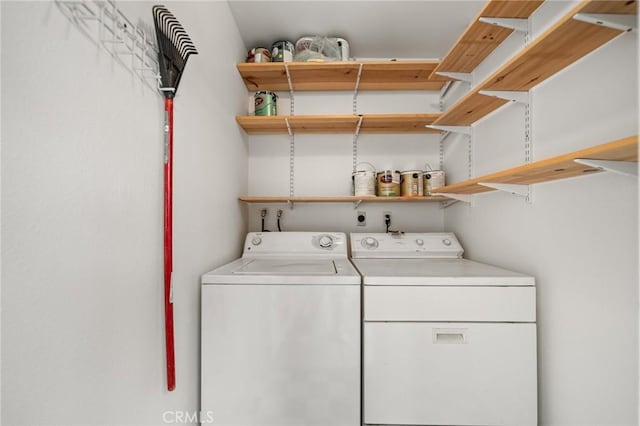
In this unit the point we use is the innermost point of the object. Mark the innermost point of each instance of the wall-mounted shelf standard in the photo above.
(334, 124)
(480, 38)
(561, 45)
(560, 167)
(342, 199)
(331, 76)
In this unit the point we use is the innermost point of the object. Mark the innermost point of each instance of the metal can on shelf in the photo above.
(411, 183)
(433, 179)
(266, 103)
(259, 54)
(364, 181)
(282, 51)
(388, 183)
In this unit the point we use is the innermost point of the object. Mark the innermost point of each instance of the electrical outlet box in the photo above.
(361, 218)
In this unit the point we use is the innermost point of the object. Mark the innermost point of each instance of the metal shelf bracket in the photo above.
(355, 144)
(292, 103)
(625, 168)
(443, 93)
(515, 189)
(516, 24)
(286, 121)
(355, 90)
(465, 198)
(356, 204)
(291, 159)
(513, 96)
(461, 76)
(465, 130)
(610, 20)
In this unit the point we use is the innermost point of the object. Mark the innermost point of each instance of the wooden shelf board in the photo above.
(336, 124)
(561, 45)
(480, 39)
(553, 168)
(341, 199)
(331, 76)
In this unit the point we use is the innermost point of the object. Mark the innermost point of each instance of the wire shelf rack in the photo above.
(131, 45)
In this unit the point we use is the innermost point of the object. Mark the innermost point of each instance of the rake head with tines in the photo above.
(174, 45)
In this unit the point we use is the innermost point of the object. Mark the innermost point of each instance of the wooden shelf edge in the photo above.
(338, 124)
(549, 169)
(340, 199)
(341, 76)
(515, 76)
(480, 39)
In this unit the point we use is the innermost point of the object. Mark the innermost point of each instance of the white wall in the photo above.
(82, 298)
(323, 165)
(579, 238)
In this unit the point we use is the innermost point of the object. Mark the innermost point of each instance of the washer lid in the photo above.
(437, 272)
(285, 271)
(288, 267)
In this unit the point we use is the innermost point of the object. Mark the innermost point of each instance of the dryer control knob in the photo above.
(446, 242)
(369, 243)
(325, 241)
(256, 241)
(420, 242)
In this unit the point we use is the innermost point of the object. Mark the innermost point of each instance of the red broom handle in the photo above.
(168, 243)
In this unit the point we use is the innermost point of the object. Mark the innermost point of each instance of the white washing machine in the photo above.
(446, 341)
(281, 334)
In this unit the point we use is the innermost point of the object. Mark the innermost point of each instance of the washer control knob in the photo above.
(446, 242)
(369, 243)
(420, 242)
(325, 241)
(256, 241)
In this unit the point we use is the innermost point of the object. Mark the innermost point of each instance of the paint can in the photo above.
(411, 183)
(433, 179)
(266, 103)
(388, 183)
(364, 181)
(259, 54)
(282, 51)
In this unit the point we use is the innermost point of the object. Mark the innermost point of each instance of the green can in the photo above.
(266, 103)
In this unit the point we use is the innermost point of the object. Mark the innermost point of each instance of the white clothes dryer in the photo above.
(281, 334)
(446, 340)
